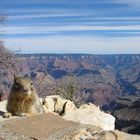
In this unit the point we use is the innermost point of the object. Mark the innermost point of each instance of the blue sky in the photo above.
(72, 26)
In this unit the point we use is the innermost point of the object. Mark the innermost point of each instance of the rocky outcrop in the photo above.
(48, 103)
(89, 106)
(116, 135)
(94, 133)
(51, 126)
(88, 114)
(91, 115)
(69, 107)
(57, 104)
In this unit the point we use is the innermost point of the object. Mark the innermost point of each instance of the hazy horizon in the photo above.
(81, 26)
(59, 53)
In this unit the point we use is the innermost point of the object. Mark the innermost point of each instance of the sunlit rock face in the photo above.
(92, 115)
(57, 104)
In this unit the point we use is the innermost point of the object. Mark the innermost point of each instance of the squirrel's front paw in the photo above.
(7, 115)
(24, 115)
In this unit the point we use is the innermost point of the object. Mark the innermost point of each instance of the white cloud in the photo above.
(75, 45)
(43, 15)
(134, 3)
(66, 14)
(54, 29)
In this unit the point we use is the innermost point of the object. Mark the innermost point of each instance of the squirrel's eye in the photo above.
(16, 84)
(31, 83)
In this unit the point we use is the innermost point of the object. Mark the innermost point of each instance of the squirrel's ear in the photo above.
(15, 77)
(27, 75)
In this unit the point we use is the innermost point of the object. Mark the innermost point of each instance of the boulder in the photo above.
(92, 117)
(52, 126)
(3, 106)
(117, 135)
(89, 114)
(89, 106)
(59, 104)
(2, 109)
(56, 103)
(69, 107)
(94, 133)
(48, 104)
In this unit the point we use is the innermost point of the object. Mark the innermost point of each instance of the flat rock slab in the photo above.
(41, 126)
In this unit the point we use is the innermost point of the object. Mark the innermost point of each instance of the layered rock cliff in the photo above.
(87, 122)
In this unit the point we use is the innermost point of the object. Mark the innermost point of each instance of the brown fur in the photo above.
(23, 98)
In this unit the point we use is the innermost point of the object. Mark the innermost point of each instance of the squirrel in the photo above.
(23, 99)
